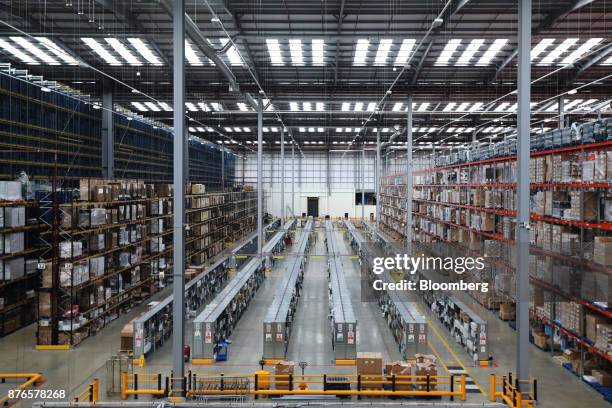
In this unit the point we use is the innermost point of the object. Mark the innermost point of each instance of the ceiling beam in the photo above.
(338, 33)
(419, 67)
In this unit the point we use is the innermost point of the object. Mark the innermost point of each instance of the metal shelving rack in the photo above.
(561, 273)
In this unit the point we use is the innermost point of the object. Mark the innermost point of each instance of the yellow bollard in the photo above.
(96, 390)
(492, 387)
(519, 399)
(463, 387)
(123, 385)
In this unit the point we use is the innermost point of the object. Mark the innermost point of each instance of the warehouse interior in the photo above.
(195, 196)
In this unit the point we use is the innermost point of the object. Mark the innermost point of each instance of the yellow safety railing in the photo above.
(30, 379)
(90, 394)
(323, 384)
(510, 392)
(142, 384)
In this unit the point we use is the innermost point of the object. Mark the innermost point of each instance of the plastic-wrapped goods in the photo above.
(96, 266)
(124, 259)
(12, 217)
(12, 269)
(96, 242)
(10, 191)
(12, 243)
(71, 249)
(588, 171)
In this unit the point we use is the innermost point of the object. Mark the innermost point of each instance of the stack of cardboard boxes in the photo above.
(369, 366)
(282, 370)
(425, 364)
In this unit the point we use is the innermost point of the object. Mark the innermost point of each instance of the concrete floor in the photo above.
(310, 341)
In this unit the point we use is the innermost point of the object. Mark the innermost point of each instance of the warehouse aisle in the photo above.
(373, 333)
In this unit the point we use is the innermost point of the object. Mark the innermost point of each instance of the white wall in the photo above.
(336, 192)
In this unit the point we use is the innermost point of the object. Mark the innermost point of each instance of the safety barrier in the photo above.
(510, 392)
(317, 384)
(30, 379)
(132, 384)
(90, 394)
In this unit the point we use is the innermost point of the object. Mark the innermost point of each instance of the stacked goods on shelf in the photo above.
(467, 205)
(207, 227)
(369, 366)
(242, 214)
(19, 251)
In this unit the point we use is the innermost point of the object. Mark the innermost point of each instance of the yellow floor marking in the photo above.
(433, 349)
(447, 346)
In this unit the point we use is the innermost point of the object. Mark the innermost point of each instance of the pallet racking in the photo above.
(464, 204)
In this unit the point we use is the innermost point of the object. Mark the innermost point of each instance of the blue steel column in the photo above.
(259, 176)
(178, 306)
(108, 135)
(282, 174)
(409, 182)
(378, 178)
(522, 188)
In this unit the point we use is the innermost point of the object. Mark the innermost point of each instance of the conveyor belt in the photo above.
(277, 323)
(356, 237)
(344, 323)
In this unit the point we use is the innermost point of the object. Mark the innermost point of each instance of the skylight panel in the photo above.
(17, 53)
(397, 106)
(541, 47)
(34, 50)
(318, 52)
(311, 129)
(488, 130)
(470, 51)
(338, 130)
(55, 49)
(191, 55)
(216, 106)
(432, 129)
(101, 51)
(346, 106)
(265, 129)
(232, 54)
(242, 106)
(502, 107)
(361, 52)
(448, 51)
(165, 106)
(192, 129)
(191, 106)
(227, 129)
(404, 52)
(573, 103)
(585, 105)
(580, 51)
(143, 49)
(274, 129)
(475, 107)
(307, 107)
(140, 107)
(237, 130)
(492, 51)
(423, 107)
(209, 129)
(358, 106)
(557, 52)
(293, 106)
(320, 130)
(302, 130)
(123, 51)
(200, 129)
(320, 106)
(463, 107)
(203, 106)
(153, 106)
(295, 47)
(552, 107)
(421, 130)
(371, 107)
(450, 130)
(449, 107)
(274, 51)
(357, 129)
(607, 62)
(384, 46)
(347, 130)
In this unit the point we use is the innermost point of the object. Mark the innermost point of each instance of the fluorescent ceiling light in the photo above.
(557, 52)
(318, 52)
(320, 130)
(293, 106)
(140, 107)
(227, 129)
(209, 129)
(357, 129)
(231, 54)
(153, 106)
(361, 52)
(123, 51)
(17, 53)
(274, 129)
(265, 129)
(144, 51)
(238, 130)
(306, 106)
(397, 106)
(502, 107)
(347, 130)
(216, 106)
(470, 51)
(34, 50)
(295, 47)
(541, 47)
(358, 106)
(274, 51)
(448, 51)
(404, 52)
(580, 51)
(200, 129)
(432, 129)
(165, 106)
(493, 50)
(204, 106)
(463, 107)
(311, 129)
(476, 106)
(346, 106)
(192, 129)
(384, 46)
(371, 107)
(191, 55)
(320, 106)
(242, 106)
(302, 130)
(573, 103)
(101, 51)
(338, 130)
(55, 49)
(191, 106)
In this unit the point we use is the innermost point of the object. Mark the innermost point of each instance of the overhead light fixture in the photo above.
(143, 49)
(165, 106)
(59, 52)
(358, 106)
(17, 53)
(191, 56)
(397, 106)
(45, 89)
(572, 92)
(318, 52)
(470, 51)
(140, 106)
(492, 51)
(361, 52)
(448, 51)
(215, 20)
(346, 106)
(274, 51)
(558, 51)
(384, 46)
(152, 106)
(404, 52)
(293, 106)
(123, 51)
(295, 49)
(34, 50)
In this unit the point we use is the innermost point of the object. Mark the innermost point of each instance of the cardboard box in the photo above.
(541, 340)
(602, 253)
(399, 369)
(592, 320)
(283, 369)
(370, 363)
(602, 377)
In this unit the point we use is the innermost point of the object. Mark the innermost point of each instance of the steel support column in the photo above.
(293, 178)
(378, 177)
(108, 135)
(363, 182)
(282, 174)
(222, 168)
(259, 175)
(561, 111)
(179, 144)
(522, 234)
(409, 182)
